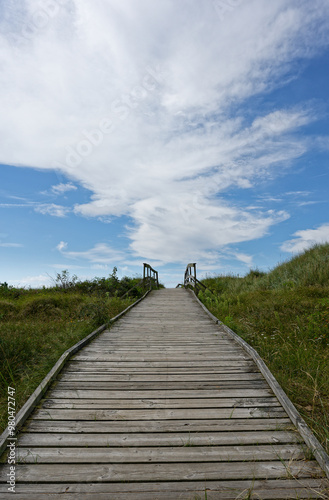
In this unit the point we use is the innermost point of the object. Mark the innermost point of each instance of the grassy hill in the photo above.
(38, 325)
(284, 315)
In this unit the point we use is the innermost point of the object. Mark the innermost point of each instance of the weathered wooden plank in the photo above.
(145, 355)
(160, 394)
(158, 351)
(143, 454)
(124, 343)
(228, 487)
(155, 377)
(160, 403)
(279, 494)
(85, 473)
(214, 425)
(186, 349)
(169, 386)
(216, 357)
(165, 364)
(159, 414)
(160, 439)
(144, 370)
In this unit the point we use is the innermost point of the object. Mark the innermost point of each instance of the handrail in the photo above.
(150, 274)
(190, 274)
(190, 279)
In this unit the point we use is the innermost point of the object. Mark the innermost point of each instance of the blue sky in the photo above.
(162, 132)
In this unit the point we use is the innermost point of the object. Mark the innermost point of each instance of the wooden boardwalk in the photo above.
(165, 405)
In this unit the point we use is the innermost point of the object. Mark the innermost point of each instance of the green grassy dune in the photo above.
(284, 315)
(37, 326)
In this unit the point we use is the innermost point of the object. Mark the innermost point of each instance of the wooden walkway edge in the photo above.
(167, 404)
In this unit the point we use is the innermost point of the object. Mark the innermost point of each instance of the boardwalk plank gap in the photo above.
(165, 404)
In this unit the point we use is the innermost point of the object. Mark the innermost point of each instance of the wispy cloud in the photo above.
(306, 238)
(62, 188)
(42, 208)
(11, 245)
(101, 253)
(52, 209)
(144, 105)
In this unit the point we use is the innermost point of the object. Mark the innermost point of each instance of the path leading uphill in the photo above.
(164, 405)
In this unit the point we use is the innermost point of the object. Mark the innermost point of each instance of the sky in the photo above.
(163, 132)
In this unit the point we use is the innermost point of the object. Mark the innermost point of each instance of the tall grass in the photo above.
(284, 315)
(37, 327)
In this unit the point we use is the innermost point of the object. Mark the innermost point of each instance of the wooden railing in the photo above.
(150, 275)
(150, 279)
(190, 279)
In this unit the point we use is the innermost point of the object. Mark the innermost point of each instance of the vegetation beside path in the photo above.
(38, 325)
(284, 315)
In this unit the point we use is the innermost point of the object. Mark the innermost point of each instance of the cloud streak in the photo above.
(101, 253)
(306, 238)
(145, 106)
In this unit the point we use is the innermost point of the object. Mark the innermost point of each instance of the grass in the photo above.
(37, 326)
(284, 315)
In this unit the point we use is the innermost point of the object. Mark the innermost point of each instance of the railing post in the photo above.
(150, 274)
(190, 275)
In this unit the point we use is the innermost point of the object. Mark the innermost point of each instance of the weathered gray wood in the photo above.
(155, 377)
(164, 364)
(160, 403)
(102, 355)
(200, 360)
(215, 490)
(160, 439)
(167, 454)
(214, 425)
(169, 386)
(160, 394)
(164, 472)
(198, 494)
(179, 351)
(160, 414)
(173, 371)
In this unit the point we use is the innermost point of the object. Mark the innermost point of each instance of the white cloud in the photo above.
(101, 253)
(306, 238)
(32, 281)
(61, 245)
(42, 208)
(143, 104)
(246, 259)
(62, 188)
(191, 228)
(52, 209)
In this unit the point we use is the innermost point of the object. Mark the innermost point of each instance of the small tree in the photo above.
(64, 280)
